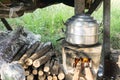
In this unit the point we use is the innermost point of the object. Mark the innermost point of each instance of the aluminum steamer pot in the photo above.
(82, 30)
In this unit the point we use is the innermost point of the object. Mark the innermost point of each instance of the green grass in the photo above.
(48, 21)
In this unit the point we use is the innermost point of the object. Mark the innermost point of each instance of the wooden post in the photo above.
(79, 6)
(106, 38)
(106, 22)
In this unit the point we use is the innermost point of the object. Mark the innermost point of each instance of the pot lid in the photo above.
(80, 18)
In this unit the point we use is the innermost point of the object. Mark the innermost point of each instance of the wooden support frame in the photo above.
(106, 52)
(6, 24)
(79, 6)
(106, 40)
(106, 23)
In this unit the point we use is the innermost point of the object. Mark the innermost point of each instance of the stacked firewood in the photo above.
(40, 62)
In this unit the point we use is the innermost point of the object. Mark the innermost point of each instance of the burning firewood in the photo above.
(88, 75)
(77, 71)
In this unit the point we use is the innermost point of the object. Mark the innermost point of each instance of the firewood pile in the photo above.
(37, 58)
(42, 64)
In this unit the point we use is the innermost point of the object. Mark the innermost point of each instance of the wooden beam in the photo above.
(79, 6)
(6, 24)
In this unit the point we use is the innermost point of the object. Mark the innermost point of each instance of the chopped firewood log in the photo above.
(54, 77)
(55, 68)
(88, 74)
(49, 77)
(77, 71)
(30, 77)
(64, 60)
(27, 72)
(82, 78)
(25, 66)
(47, 67)
(61, 74)
(34, 72)
(38, 54)
(42, 60)
(40, 72)
(43, 77)
(29, 52)
(20, 53)
(40, 46)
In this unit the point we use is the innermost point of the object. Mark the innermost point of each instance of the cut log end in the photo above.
(36, 64)
(21, 62)
(28, 61)
(27, 73)
(54, 77)
(46, 69)
(30, 77)
(61, 76)
(40, 73)
(49, 78)
(35, 72)
(25, 66)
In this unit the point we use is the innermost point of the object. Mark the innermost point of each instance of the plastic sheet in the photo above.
(10, 43)
(12, 71)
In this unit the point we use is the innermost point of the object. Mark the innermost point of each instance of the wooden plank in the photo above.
(79, 6)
